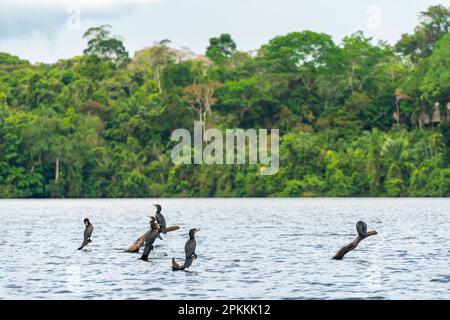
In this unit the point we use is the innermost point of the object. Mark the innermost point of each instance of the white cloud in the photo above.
(23, 18)
(41, 30)
(82, 3)
(45, 30)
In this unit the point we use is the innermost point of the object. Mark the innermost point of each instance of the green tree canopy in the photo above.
(104, 45)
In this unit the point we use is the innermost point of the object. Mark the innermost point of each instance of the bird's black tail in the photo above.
(188, 261)
(85, 243)
(144, 257)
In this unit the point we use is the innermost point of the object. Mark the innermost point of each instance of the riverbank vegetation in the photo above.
(357, 118)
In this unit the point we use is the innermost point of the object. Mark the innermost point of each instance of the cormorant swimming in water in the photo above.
(160, 219)
(87, 233)
(361, 227)
(189, 248)
(150, 238)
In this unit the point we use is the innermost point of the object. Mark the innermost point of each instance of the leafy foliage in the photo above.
(357, 118)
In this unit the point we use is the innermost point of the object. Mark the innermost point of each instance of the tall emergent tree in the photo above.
(104, 45)
(434, 23)
(220, 48)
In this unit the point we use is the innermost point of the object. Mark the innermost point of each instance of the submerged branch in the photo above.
(176, 266)
(134, 248)
(352, 245)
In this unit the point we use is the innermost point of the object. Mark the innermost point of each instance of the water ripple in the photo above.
(286, 254)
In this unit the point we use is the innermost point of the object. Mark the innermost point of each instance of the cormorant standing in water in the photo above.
(361, 227)
(160, 219)
(189, 248)
(87, 233)
(150, 238)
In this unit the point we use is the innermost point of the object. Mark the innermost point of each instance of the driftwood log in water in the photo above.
(134, 248)
(176, 266)
(351, 246)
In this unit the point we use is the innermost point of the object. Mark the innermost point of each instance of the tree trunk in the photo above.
(176, 266)
(352, 245)
(398, 112)
(57, 170)
(244, 111)
(158, 80)
(205, 114)
(351, 77)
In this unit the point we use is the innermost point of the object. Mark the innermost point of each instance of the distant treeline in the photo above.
(358, 118)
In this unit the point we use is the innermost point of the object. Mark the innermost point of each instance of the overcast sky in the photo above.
(47, 30)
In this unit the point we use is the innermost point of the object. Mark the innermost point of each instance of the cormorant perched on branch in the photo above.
(150, 238)
(160, 219)
(189, 248)
(361, 227)
(87, 233)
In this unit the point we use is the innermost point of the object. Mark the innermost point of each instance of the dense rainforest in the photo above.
(358, 118)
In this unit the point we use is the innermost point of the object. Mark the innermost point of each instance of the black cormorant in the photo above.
(87, 233)
(361, 227)
(160, 219)
(150, 238)
(189, 248)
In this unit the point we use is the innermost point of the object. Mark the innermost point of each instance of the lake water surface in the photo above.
(247, 249)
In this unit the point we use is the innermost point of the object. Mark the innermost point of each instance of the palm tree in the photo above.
(396, 153)
(374, 167)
